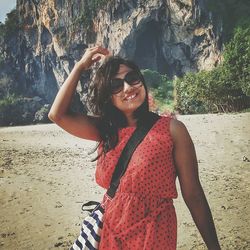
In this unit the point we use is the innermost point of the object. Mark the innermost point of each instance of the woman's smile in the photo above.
(130, 97)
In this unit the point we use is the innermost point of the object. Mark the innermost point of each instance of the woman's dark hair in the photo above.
(100, 102)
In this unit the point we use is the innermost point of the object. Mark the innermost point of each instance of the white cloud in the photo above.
(5, 7)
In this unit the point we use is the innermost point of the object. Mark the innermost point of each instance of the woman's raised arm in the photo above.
(80, 125)
(192, 191)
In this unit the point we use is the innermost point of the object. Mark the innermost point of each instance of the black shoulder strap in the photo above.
(128, 151)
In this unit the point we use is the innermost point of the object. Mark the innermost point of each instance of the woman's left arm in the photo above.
(192, 192)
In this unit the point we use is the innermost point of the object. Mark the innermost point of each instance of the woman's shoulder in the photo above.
(167, 117)
(175, 127)
(178, 130)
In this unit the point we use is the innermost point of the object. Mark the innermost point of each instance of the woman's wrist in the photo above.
(79, 67)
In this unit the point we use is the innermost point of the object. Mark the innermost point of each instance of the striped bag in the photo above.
(90, 234)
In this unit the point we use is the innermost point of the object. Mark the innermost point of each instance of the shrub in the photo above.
(6, 86)
(237, 59)
(160, 87)
(7, 109)
(19, 110)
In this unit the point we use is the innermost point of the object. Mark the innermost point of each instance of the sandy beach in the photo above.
(46, 174)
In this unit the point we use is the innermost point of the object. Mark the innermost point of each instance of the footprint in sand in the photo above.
(58, 244)
(6, 235)
(245, 159)
(58, 204)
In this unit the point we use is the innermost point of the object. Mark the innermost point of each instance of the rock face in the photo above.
(170, 36)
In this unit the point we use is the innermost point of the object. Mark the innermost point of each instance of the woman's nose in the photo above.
(126, 86)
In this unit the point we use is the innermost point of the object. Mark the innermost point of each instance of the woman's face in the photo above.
(128, 97)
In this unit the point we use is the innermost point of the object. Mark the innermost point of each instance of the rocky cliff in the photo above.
(170, 36)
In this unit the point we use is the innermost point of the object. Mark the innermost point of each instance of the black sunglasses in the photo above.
(117, 84)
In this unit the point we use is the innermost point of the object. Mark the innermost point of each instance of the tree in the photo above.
(161, 88)
(237, 59)
(6, 86)
(153, 78)
(11, 25)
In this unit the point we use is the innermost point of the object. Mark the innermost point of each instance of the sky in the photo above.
(5, 7)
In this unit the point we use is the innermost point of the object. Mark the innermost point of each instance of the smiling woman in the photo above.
(140, 213)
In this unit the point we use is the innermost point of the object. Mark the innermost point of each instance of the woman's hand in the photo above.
(79, 125)
(91, 56)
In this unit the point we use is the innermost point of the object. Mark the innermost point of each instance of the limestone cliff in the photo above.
(170, 36)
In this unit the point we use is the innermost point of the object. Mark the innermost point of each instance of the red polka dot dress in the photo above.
(141, 216)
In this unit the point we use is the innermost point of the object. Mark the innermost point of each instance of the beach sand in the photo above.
(46, 174)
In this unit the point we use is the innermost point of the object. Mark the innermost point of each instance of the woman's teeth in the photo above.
(130, 97)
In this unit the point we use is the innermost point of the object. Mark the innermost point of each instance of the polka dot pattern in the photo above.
(141, 215)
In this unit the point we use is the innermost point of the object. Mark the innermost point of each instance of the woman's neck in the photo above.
(131, 120)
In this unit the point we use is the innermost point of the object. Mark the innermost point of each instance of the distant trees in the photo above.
(161, 88)
(7, 31)
(6, 86)
(223, 89)
(237, 59)
(11, 25)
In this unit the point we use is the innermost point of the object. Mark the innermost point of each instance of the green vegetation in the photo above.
(225, 88)
(161, 88)
(8, 30)
(11, 25)
(1, 59)
(8, 100)
(237, 59)
(8, 109)
(245, 110)
(7, 87)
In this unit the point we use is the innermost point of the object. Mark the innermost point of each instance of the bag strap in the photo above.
(91, 204)
(136, 138)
